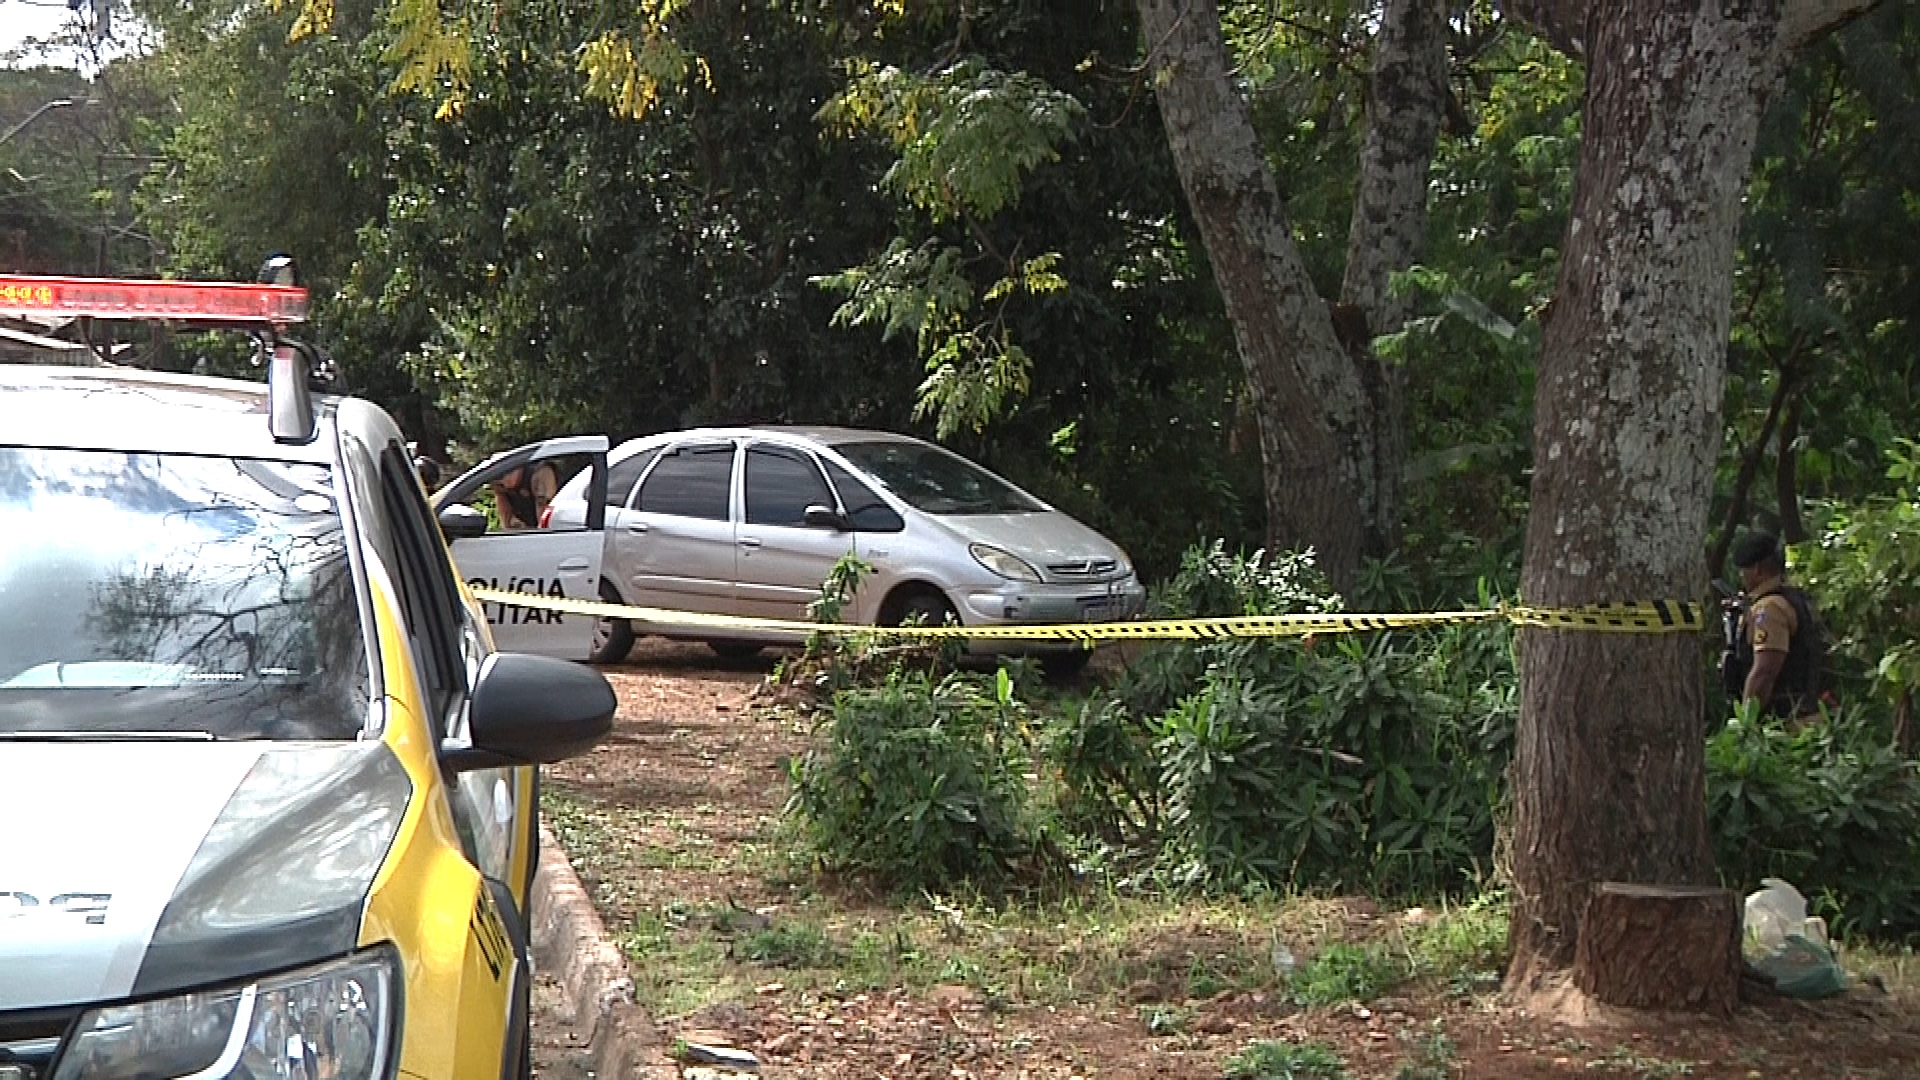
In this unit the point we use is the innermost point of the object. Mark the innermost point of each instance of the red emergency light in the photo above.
(223, 302)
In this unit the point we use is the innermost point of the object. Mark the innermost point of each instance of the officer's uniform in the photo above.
(1779, 619)
(1770, 621)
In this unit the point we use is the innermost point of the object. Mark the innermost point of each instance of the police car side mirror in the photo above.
(531, 710)
(458, 521)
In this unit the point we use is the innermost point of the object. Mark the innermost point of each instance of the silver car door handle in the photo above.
(637, 527)
(574, 564)
(749, 542)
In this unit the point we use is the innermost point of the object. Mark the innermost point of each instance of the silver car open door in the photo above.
(520, 553)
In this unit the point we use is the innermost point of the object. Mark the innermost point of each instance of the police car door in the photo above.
(522, 555)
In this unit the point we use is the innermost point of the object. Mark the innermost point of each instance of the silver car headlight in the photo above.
(336, 1021)
(1004, 563)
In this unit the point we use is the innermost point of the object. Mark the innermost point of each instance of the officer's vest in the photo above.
(1802, 678)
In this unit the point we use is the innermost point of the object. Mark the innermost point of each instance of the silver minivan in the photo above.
(748, 521)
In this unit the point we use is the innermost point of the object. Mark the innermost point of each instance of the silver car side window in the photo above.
(781, 484)
(690, 481)
(866, 511)
(625, 475)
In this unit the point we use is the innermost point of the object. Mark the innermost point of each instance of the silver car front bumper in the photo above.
(1017, 602)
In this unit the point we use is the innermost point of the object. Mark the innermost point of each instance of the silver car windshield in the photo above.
(933, 481)
(175, 596)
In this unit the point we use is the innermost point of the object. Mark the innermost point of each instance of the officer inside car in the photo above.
(1775, 655)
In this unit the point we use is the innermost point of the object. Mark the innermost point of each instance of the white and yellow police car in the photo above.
(267, 790)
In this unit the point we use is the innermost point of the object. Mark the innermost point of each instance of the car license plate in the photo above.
(1096, 610)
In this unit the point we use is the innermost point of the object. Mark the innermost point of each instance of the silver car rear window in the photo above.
(175, 595)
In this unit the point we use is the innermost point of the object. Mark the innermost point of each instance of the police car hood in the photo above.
(137, 868)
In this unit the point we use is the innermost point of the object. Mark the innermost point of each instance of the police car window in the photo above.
(781, 484)
(623, 475)
(691, 481)
(866, 511)
(199, 597)
(433, 609)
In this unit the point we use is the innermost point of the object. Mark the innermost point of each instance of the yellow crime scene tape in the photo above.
(1655, 617)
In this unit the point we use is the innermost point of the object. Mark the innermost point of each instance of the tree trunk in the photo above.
(1405, 105)
(1608, 763)
(1318, 422)
(1648, 946)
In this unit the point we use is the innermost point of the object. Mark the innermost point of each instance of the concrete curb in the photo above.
(571, 944)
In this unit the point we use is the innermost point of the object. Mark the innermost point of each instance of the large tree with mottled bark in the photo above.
(1330, 429)
(1608, 772)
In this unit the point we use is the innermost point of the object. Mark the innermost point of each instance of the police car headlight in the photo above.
(331, 1022)
(1004, 563)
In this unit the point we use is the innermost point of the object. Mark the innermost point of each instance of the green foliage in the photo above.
(563, 268)
(1222, 775)
(974, 369)
(836, 592)
(905, 290)
(1864, 572)
(1270, 1059)
(1466, 945)
(1501, 192)
(68, 168)
(525, 261)
(1345, 972)
(1822, 286)
(1109, 780)
(918, 782)
(966, 134)
(1830, 808)
(1354, 762)
(1212, 583)
(790, 945)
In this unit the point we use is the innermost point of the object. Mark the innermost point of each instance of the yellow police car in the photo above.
(269, 796)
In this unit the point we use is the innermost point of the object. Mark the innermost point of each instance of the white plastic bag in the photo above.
(1786, 946)
(1775, 912)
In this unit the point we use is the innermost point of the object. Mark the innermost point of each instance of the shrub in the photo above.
(919, 781)
(1357, 762)
(1829, 808)
(1109, 785)
(1240, 810)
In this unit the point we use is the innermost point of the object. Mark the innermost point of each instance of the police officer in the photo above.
(1777, 654)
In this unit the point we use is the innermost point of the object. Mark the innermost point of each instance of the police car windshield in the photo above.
(169, 593)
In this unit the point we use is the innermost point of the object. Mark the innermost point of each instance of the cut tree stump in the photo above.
(1660, 947)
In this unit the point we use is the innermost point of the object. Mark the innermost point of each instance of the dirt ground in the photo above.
(685, 798)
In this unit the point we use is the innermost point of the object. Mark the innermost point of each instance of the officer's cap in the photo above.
(1755, 548)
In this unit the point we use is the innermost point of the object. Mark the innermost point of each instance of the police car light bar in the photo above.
(23, 296)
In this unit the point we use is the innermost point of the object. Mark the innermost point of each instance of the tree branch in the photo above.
(1803, 20)
(1750, 463)
(1786, 483)
(1562, 23)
